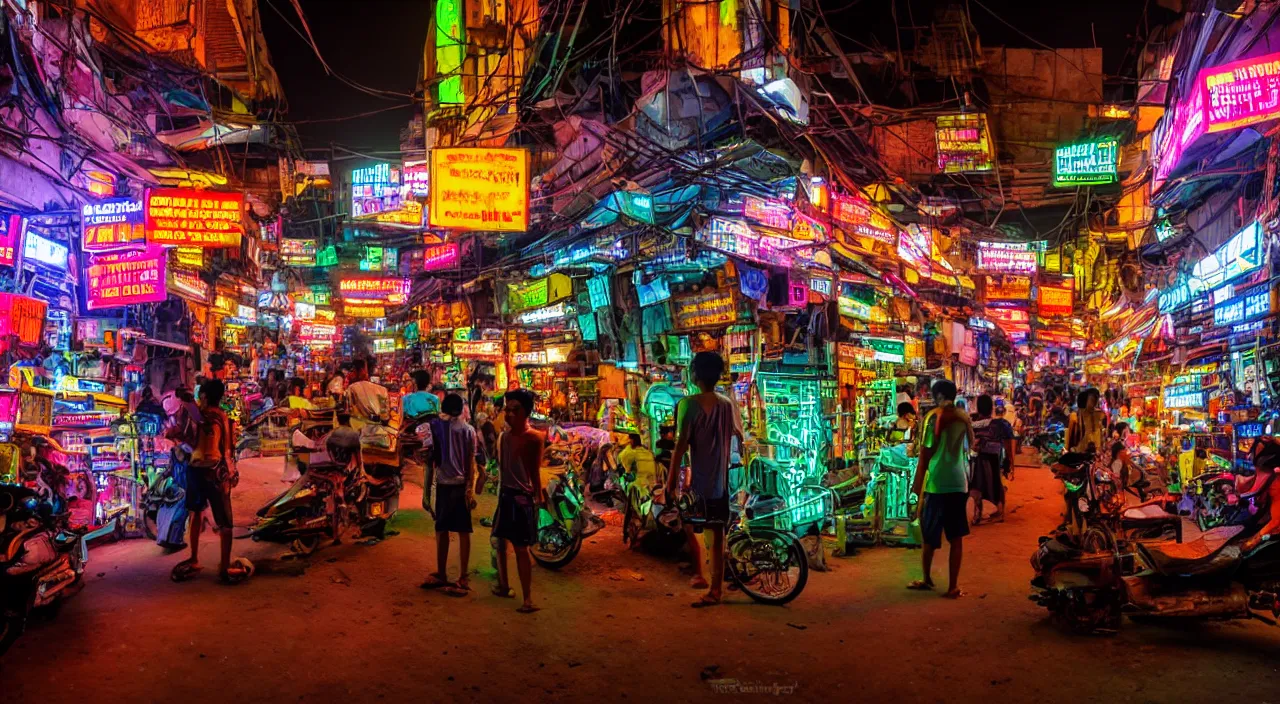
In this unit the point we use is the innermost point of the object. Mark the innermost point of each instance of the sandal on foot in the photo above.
(435, 582)
(184, 570)
(920, 585)
(456, 590)
(503, 592)
(527, 609)
(952, 594)
(234, 575)
(705, 601)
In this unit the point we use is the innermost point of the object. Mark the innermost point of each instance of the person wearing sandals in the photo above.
(520, 495)
(455, 444)
(210, 477)
(995, 455)
(941, 485)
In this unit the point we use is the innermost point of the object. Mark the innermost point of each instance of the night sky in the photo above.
(378, 43)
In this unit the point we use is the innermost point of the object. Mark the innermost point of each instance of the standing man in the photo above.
(941, 486)
(421, 402)
(519, 495)
(455, 445)
(707, 422)
(366, 400)
(210, 478)
(638, 461)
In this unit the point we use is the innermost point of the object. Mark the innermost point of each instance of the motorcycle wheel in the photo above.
(769, 566)
(10, 628)
(553, 559)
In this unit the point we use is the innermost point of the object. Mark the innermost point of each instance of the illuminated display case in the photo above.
(793, 446)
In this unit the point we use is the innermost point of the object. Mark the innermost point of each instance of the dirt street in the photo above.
(354, 627)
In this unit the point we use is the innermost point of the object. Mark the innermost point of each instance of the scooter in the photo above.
(564, 523)
(41, 560)
(1229, 572)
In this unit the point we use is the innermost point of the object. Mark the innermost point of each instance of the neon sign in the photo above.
(1056, 300)
(185, 216)
(111, 224)
(914, 244)
(477, 188)
(188, 284)
(375, 289)
(126, 278)
(1007, 257)
(1087, 164)
(44, 251)
(450, 50)
(478, 349)
(441, 256)
(542, 315)
(964, 144)
(13, 228)
(767, 212)
(538, 293)
(374, 189)
(417, 178)
(358, 310)
(704, 310)
(298, 252)
(736, 237)
(863, 218)
(1241, 93)
(1250, 306)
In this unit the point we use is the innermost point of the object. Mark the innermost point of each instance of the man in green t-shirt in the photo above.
(941, 484)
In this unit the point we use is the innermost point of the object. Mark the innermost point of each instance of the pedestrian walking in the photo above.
(995, 456)
(707, 424)
(520, 494)
(941, 487)
(455, 448)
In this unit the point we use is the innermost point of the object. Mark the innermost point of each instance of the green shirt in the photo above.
(948, 466)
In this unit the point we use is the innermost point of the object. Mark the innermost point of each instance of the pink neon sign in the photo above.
(126, 278)
(1241, 93)
(865, 219)
(441, 256)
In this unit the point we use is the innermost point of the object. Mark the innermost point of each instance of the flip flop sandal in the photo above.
(503, 592)
(184, 571)
(705, 602)
(434, 582)
(920, 585)
(952, 595)
(456, 590)
(527, 609)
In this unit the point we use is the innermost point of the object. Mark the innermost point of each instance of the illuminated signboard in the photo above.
(476, 188)
(374, 189)
(767, 212)
(820, 285)
(1007, 257)
(408, 214)
(417, 178)
(23, 317)
(126, 278)
(316, 296)
(383, 345)
(914, 245)
(440, 256)
(247, 313)
(189, 285)
(1008, 288)
(1011, 316)
(394, 290)
(327, 315)
(357, 310)
(1056, 300)
(112, 224)
(1240, 255)
(316, 332)
(450, 43)
(298, 252)
(736, 237)
(1087, 164)
(886, 349)
(704, 310)
(12, 230)
(1241, 309)
(862, 218)
(185, 216)
(192, 257)
(657, 291)
(304, 311)
(806, 229)
(1241, 93)
(964, 144)
(478, 349)
(542, 315)
(1184, 396)
(327, 256)
(538, 293)
(39, 250)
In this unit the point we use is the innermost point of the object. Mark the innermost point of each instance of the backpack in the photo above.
(988, 441)
(186, 429)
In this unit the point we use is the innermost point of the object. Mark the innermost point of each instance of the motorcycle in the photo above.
(1214, 499)
(565, 522)
(41, 560)
(1229, 572)
(1049, 443)
(1094, 499)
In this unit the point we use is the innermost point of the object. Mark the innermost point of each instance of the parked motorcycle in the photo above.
(41, 560)
(1229, 572)
(1214, 499)
(1049, 442)
(565, 521)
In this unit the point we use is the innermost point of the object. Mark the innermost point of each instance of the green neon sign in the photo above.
(450, 51)
(1086, 164)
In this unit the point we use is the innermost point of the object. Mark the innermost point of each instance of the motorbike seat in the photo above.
(1211, 552)
(1254, 485)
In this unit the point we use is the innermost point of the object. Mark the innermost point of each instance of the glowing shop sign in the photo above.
(409, 214)
(1012, 316)
(192, 257)
(112, 223)
(450, 43)
(862, 218)
(1087, 164)
(850, 356)
(316, 296)
(1241, 93)
(358, 310)
(374, 189)
(1183, 397)
(704, 310)
(247, 313)
(475, 188)
(820, 285)
(1008, 288)
(383, 345)
(1252, 305)
(185, 216)
(21, 316)
(126, 278)
(440, 256)
(1240, 255)
(39, 250)
(1056, 300)
(317, 332)
(655, 291)
(964, 144)
(542, 315)
(417, 178)
(189, 285)
(1007, 257)
(304, 311)
(767, 212)
(478, 349)
(13, 228)
(538, 293)
(298, 252)
(914, 245)
(736, 237)
(887, 349)
(806, 229)
(375, 289)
